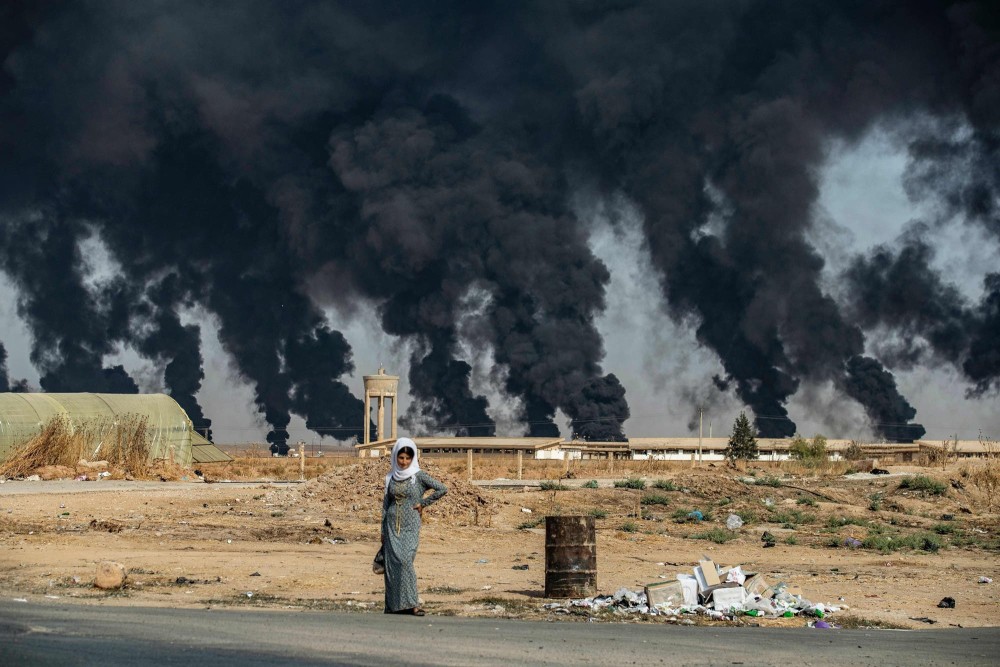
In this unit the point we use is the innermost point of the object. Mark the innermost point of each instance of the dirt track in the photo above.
(188, 544)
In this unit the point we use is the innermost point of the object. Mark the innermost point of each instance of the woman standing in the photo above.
(402, 508)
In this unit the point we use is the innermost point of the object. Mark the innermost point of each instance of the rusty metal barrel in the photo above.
(570, 557)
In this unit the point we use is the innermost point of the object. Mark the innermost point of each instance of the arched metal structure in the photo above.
(22, 417)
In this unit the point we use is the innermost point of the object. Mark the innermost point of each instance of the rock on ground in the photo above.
(110, 575)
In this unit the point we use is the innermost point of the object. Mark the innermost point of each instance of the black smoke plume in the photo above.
(259, 161)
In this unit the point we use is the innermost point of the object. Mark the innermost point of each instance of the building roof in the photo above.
(526, 444)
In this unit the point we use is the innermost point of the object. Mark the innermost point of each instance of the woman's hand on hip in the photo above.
(420, 510)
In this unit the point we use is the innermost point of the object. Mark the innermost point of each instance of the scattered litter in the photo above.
(482, 560)
(768, 539)
(52, 597)
(486, 588)
(710, 590)
(254, 574)
(80, 478)
(879, 471)
(32, 478)
(103, 475)
(19, 599)
(696, 516)
(520, 567)
(947, 603)
(769, 502)
(852, 542)
(923, 619)
(985, 580)
(249, 594)
(526, 510)
(733, 522)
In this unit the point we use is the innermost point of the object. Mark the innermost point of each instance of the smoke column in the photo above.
(262, 161)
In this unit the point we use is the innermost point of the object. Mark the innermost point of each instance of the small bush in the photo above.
(549, 485)
(923, 484)
(598, 513)
(631, 483)
(841, 521)
(748, 516)
(944, 528)
(655, 499)
(854, 451)
(592, 484)
(665, 485)
(791, 517)
(769, 481)
(791, 539)
(629, 527)
(533, 523)
(809, 453)
(875, 501)
(806, 501)
(717, 535)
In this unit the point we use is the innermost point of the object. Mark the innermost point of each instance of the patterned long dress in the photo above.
(401, 536)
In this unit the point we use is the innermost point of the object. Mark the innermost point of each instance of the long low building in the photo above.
(667, 449)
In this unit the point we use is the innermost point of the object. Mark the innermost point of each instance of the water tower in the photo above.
(380, 386)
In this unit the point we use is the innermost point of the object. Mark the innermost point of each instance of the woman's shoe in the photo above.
(417, 611)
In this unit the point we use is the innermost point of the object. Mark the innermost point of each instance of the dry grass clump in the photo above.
(124, 443)
(985, 478)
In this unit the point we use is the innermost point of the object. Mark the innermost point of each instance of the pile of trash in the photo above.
(712, 591)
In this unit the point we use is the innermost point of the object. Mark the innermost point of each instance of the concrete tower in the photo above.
(380, 386)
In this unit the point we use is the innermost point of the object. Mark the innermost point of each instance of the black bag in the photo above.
(378, 565)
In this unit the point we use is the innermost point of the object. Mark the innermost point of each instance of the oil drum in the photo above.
(570, 557)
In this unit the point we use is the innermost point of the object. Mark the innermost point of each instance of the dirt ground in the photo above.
(310, 545)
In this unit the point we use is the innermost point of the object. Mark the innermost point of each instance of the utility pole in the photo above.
(701, 423)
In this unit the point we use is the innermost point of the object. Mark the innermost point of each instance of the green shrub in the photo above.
(769, 480)
(665, 485)
(533, 523)
(944, 528)
(791, 517)
(809, 453)
(655, 499)
(598, 513)
(806, 501)
(629, 527)
(592, 484)
(549, 485)
(791, 539)
(748, 515)
(923, 484)
(717, 535)
(875, 501)
(841, 521)
(631, 483)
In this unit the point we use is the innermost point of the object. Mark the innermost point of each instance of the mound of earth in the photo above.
(363, 484)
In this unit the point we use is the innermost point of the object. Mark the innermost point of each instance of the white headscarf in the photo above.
(399, 474)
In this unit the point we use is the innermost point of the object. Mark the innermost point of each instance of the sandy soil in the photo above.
(310, 545)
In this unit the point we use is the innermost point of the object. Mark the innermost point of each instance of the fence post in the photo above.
(520, 463)
(302, 461)
(469, 463)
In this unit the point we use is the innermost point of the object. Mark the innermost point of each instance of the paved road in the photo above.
(60, 634)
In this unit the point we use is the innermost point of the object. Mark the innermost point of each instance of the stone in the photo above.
(110, 575)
